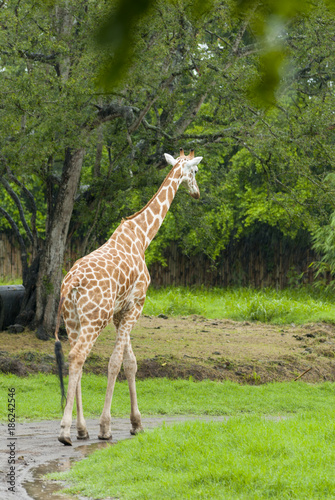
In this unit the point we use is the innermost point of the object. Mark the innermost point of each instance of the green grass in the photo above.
(10, 281)
(244, 458)
(303, 305)
(291, 305)
(38, 397)
(247, 457)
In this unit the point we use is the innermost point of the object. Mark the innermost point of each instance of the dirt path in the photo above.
(178, 347)
(38, 452)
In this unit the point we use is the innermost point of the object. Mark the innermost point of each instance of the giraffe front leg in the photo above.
(114, 366)
(130, 369)
(130, 365)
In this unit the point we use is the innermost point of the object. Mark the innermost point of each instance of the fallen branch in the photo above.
(302, 374)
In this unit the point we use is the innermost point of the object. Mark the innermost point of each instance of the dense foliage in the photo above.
(188, 80)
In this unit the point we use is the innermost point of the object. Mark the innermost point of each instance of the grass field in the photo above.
(243, 458)
(247, 457)
(291, 305)
(267, 305)
(38, 397)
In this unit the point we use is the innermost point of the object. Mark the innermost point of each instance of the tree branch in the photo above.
(157, 129)
(110, 112)
(14, 228)
(39, 56)
(219, 37)
(134, 126)
(28, 195)
(17, 202)
(34, 56)
(189, 115)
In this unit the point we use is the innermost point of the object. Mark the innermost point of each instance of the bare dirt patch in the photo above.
(197, 347)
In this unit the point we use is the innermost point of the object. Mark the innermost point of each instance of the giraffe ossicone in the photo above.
(110, 284)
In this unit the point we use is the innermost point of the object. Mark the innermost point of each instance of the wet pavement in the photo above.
(38, 452)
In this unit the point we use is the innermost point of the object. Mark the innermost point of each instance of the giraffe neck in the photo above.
(148, 220)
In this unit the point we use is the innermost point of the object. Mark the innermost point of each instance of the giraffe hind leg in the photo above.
(114, 366)
(73, 329)
(82, 432)
(77, 357)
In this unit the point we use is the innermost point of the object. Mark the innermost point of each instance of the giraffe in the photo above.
(110, 284)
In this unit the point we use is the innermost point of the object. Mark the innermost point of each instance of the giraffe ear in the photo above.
(194, 161)
(170, 159)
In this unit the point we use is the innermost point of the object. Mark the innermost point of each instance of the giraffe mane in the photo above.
(157, 193)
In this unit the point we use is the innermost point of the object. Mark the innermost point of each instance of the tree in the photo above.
(49, 118)
(76, 157)
(49, 110)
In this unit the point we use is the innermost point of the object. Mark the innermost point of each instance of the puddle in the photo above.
(41, 489)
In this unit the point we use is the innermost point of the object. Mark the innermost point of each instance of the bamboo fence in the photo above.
(254, 263)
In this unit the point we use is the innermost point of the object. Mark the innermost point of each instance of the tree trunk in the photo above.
(28, 306)
(52, 258)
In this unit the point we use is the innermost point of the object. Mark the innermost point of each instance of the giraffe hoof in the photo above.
(136, 430)
(65, 440)
(105, 437)
(83, 437)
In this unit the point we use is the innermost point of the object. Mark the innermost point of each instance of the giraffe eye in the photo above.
(195, 170)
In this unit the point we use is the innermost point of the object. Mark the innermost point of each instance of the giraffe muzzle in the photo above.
(195, 195)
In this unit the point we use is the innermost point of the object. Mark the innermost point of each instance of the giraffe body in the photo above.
(110, 284)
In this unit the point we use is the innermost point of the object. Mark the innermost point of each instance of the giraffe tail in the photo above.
(59, 352)
(58, 346)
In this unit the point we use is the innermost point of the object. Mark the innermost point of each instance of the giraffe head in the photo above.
(189, 169)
